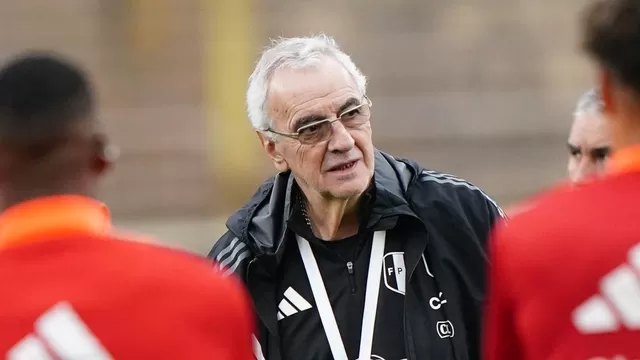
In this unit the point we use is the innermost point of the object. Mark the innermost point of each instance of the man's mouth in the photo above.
(344, 166)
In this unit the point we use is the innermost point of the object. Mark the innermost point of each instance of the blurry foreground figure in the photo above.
(589, 141)
(350, 253)
(565, 278)
(71, 290)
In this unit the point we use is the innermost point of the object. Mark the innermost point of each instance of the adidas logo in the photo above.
(59, 334)
(617, 305)
(292, 303)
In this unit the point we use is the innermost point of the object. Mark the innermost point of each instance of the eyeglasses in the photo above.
(318, 131)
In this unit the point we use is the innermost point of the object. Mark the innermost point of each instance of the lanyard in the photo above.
(324, 306)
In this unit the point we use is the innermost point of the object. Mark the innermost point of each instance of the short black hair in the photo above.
(611, 30)
(40, 93)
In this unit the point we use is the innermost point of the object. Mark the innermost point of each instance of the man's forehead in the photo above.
(304, 84)
(589, 130)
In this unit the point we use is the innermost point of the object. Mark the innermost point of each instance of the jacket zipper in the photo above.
(352, 280)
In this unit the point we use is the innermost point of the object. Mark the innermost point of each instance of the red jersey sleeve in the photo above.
(500, 337)
(231, 318)
(242, 329)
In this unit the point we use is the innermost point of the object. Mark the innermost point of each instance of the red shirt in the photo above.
(565, 275)
(73, 289)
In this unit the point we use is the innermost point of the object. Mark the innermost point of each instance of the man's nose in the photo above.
(587, 169)
(341, 140)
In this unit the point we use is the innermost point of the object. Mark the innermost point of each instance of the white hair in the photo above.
(589, 103)
(292, 53)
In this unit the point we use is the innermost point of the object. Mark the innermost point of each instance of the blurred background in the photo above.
(481, 89)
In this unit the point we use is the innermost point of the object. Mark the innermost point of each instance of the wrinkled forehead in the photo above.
(589, 130)
(321, 87)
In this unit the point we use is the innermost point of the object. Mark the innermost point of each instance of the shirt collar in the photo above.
(625, 160)
(50, 217)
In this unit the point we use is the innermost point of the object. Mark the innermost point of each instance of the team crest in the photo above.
(395, 272)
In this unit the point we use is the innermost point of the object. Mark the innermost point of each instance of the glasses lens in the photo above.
(315, 133)
(351, 119)
(356, 117)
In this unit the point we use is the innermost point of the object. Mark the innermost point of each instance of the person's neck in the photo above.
(332, 219)
(624, 135)
(624, 126)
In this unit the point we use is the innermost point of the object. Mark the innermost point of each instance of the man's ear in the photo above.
(270, 148)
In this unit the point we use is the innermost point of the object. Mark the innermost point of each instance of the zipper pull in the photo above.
(352, 279)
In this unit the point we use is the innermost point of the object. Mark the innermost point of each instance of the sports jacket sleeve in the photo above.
(472, 207)
(230, 254)
(499, 340)
(481, 213)
(466, 215)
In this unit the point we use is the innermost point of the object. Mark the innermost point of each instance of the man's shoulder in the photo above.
(453, 192)
(170, 267)
(110, 266)
(182, 275)
(546, 221)
(424, 183)
(446, 183)
(560, 203)
(230, 254)
(573, 204)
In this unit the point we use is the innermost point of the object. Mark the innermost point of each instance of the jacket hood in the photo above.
(262, 222)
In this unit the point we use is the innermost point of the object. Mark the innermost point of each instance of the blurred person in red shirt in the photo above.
(565, 274)
(71, 289)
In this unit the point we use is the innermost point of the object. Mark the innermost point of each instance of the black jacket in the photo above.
(450, 222)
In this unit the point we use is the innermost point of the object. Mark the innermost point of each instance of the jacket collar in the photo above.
(52, 217)
(262, 222)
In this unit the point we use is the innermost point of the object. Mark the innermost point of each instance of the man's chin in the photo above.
(347, 191)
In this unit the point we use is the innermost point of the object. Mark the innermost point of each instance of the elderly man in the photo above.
(349, 253)
(589, 144)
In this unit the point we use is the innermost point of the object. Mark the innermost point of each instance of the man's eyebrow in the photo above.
(601, 151)
(351, 102)
(307, 119)
(573, 148)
